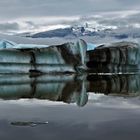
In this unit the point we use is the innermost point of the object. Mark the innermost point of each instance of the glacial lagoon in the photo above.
(66, 92)
(69, 106)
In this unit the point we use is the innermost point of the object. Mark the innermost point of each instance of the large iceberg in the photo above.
(70, 57)
(114, 58)
(26, 58)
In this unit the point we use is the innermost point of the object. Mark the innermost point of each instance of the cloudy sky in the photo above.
(34, 15)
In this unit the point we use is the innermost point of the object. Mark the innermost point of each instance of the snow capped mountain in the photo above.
(100, 28)
(70, 32)
(88, 31)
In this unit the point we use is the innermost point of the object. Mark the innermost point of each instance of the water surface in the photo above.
(74, 107)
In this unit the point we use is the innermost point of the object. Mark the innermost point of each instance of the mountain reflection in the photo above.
(67, 88)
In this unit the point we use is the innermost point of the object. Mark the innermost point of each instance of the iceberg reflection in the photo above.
(67, 88)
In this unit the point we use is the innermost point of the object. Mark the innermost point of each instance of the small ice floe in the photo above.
(29, 46)
(7, 44)
(91, 46)
(30, 124)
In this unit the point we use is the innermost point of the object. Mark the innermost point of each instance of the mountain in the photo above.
(72, 31)
(54, 33)
(86, 31)
(90, 33)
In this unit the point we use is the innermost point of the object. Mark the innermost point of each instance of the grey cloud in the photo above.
(32, 25)
(134, 18)
(10, 9)
(119, 21)
(113, 20)
(129, 2)
(9, 26)
(11, 12)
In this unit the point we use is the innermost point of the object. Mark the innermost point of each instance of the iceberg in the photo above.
(78, 57)
(6, 44)
(9, 44)
(27, 58)
(91, 46)
(114, 58)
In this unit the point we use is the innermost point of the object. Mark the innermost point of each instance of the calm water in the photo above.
(60, 107)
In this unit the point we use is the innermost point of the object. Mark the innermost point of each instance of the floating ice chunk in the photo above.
(32, 124)
(30, 46)
(26, 58)
(6, 44)
(9, 44)
(91, 46)
(117, 57)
